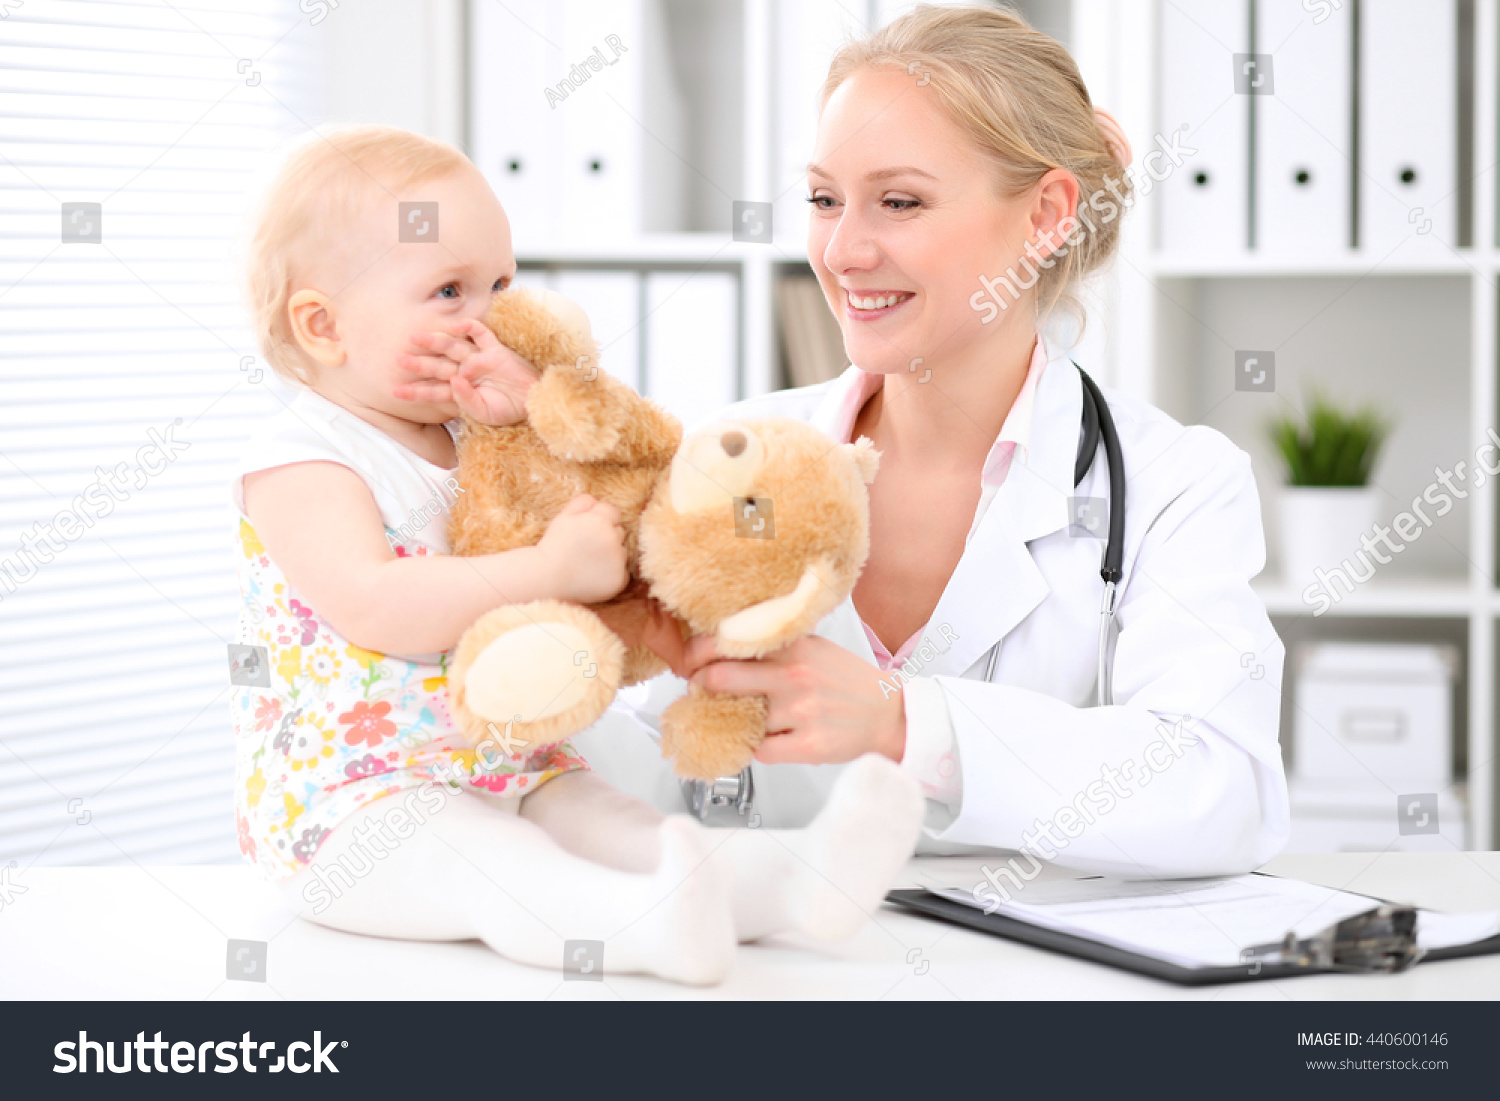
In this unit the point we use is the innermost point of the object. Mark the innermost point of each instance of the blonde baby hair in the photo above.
(322, 186)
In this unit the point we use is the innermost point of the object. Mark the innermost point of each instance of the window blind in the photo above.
(127, 386)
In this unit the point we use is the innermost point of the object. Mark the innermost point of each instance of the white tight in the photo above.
(578, 860)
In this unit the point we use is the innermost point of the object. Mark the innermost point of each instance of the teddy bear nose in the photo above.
(732, 442)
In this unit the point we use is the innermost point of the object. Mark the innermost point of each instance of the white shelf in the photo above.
(1413, 599)
(655, 248)
(1460, 262)
(1169, 325)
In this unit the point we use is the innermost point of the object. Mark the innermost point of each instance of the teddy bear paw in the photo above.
(545, 670)
(708, 734)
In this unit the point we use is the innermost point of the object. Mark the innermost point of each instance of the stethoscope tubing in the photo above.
(1098, 425)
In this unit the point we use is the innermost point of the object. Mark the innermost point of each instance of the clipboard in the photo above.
(1381, 941)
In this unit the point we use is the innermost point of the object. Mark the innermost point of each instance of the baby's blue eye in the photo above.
(500, 285)
(448, 287)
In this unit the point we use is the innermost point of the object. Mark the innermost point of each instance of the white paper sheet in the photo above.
(1436, 930)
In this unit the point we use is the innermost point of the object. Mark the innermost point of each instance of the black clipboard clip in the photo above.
(1381, 941)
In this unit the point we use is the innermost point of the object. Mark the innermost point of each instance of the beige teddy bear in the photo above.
(751, 531)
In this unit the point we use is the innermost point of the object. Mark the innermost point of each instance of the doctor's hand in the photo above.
(826, 705)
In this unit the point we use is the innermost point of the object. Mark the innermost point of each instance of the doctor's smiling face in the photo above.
(907, 215)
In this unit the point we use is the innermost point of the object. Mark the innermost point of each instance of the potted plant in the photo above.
(1327, 503)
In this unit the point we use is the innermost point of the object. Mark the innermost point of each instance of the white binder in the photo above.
(514, 56)
(1305, 131)
(692, 342)
(577, 119)
(622, 126)
(1407, 124)
(1204, 202)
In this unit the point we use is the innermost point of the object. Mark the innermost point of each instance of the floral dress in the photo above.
(321, 725)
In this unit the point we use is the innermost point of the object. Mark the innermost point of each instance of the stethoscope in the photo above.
(739, 790)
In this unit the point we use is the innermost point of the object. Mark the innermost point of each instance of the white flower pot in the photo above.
(1321, 526)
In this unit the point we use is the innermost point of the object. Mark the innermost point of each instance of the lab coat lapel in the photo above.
(997, 582)
(842, 625)
(826, 414)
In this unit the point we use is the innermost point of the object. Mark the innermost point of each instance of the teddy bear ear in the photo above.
(567, 311)
(866, 458)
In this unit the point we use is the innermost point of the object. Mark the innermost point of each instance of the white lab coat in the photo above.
(1193, 640)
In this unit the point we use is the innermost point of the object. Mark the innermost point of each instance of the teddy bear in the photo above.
(750, 531)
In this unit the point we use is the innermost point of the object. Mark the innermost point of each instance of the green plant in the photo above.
(1329, 447)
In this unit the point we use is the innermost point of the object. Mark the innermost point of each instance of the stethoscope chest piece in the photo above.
(737, 791)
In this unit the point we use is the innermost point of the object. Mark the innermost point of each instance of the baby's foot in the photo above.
(686, 933)
(853, 850)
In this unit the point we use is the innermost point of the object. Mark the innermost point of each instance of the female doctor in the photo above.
(961, 184)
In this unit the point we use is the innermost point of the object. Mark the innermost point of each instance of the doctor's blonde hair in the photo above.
(1018, 94)
(311, 207)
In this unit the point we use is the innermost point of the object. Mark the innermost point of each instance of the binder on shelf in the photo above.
(577, 119)
(1304, 151)
(1204, 202)
(622, 125)
(692, 342)
(1233, 929)
(810, 337)
(514, 56)
(1408, 90)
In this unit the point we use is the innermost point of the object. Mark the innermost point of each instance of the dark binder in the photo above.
(1380, 941)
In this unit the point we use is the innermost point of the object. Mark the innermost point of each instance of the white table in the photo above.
(134, 933)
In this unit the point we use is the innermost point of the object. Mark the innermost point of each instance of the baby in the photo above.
(371, 263)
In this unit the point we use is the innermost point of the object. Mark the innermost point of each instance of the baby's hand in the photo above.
(585, 546)
(469, 367)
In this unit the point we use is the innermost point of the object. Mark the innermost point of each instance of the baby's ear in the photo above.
(866, 458)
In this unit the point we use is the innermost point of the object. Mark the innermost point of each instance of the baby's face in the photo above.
(390, 289)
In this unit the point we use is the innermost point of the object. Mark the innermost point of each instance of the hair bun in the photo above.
(1114, 136)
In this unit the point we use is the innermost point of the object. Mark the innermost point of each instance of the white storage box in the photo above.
(1375, 715)
(1339, 817)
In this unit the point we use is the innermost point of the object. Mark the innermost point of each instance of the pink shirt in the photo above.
(1015, 432)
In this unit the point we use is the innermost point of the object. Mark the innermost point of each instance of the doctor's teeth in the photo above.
(879, 303)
